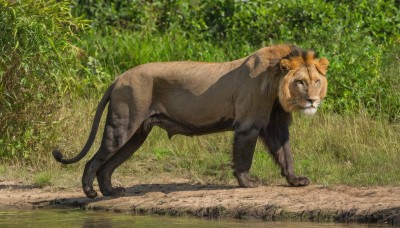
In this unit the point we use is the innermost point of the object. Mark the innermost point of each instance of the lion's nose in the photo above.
(311, 100)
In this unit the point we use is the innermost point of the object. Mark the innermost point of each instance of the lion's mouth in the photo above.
(306, 107)
(309, 108)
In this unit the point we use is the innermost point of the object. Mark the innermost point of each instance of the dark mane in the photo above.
(296, 51)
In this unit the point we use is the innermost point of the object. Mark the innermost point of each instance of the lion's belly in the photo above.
(196, 111)
(199, 113)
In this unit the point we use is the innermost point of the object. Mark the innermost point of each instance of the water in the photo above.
(79, 218)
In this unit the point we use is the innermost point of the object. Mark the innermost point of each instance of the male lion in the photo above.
(252, 96)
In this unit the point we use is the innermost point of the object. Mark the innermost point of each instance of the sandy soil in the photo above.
(179, 197)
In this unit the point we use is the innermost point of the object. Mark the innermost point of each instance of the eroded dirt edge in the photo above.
(277, 203)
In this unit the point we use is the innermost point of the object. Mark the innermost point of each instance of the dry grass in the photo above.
(330, 149)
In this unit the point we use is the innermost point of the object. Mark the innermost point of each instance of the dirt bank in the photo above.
(179, 197)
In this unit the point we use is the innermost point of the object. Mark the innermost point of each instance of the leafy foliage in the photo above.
(37, 54)
(355, 35)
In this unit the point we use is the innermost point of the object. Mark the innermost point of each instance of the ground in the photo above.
(180, 197)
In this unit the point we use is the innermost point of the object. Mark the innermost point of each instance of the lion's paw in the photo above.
(246, 181)
(298, 181)
(118, 191)
(113, 192)
(90, 192)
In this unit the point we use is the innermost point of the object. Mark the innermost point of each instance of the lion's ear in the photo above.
(322, 65)
(256, 66)
(286, 65)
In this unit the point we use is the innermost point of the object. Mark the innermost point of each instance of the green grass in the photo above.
(42, 179)
(334, 149)
(330, 149)
(351, 148)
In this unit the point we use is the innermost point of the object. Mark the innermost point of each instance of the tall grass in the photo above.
(358, 150)
(330, 149)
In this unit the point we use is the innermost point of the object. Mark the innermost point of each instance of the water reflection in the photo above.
(67, 217)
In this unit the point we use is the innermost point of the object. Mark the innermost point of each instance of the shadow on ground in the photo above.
(140, 190)
(143, 189)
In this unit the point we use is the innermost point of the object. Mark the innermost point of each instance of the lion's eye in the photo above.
(318, 83)
(300, 83)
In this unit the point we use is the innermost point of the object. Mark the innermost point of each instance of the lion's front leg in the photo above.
(288, 167)
(276, 139)
(243, 151)
(280, 149)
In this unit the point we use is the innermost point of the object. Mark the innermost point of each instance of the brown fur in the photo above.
(252, 96)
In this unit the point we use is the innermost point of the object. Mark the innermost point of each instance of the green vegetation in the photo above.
(42, 179)
(356, 37)
(37, 53)
(58, 57)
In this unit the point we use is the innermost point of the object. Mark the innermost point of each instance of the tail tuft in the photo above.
(58, 156)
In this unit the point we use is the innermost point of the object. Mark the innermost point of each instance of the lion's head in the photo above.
(304, 84)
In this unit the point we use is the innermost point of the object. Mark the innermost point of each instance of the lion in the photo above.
(252, 96)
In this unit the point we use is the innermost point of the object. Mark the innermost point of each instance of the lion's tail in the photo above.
(96, 121)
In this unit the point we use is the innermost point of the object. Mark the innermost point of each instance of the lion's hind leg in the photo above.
(243, 151)
(105, 171)
(117, 132)
(111, 144)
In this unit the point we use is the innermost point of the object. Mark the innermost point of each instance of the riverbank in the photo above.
(181, 198)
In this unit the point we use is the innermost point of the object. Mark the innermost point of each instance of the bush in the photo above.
(39, 63)
(355, 36)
